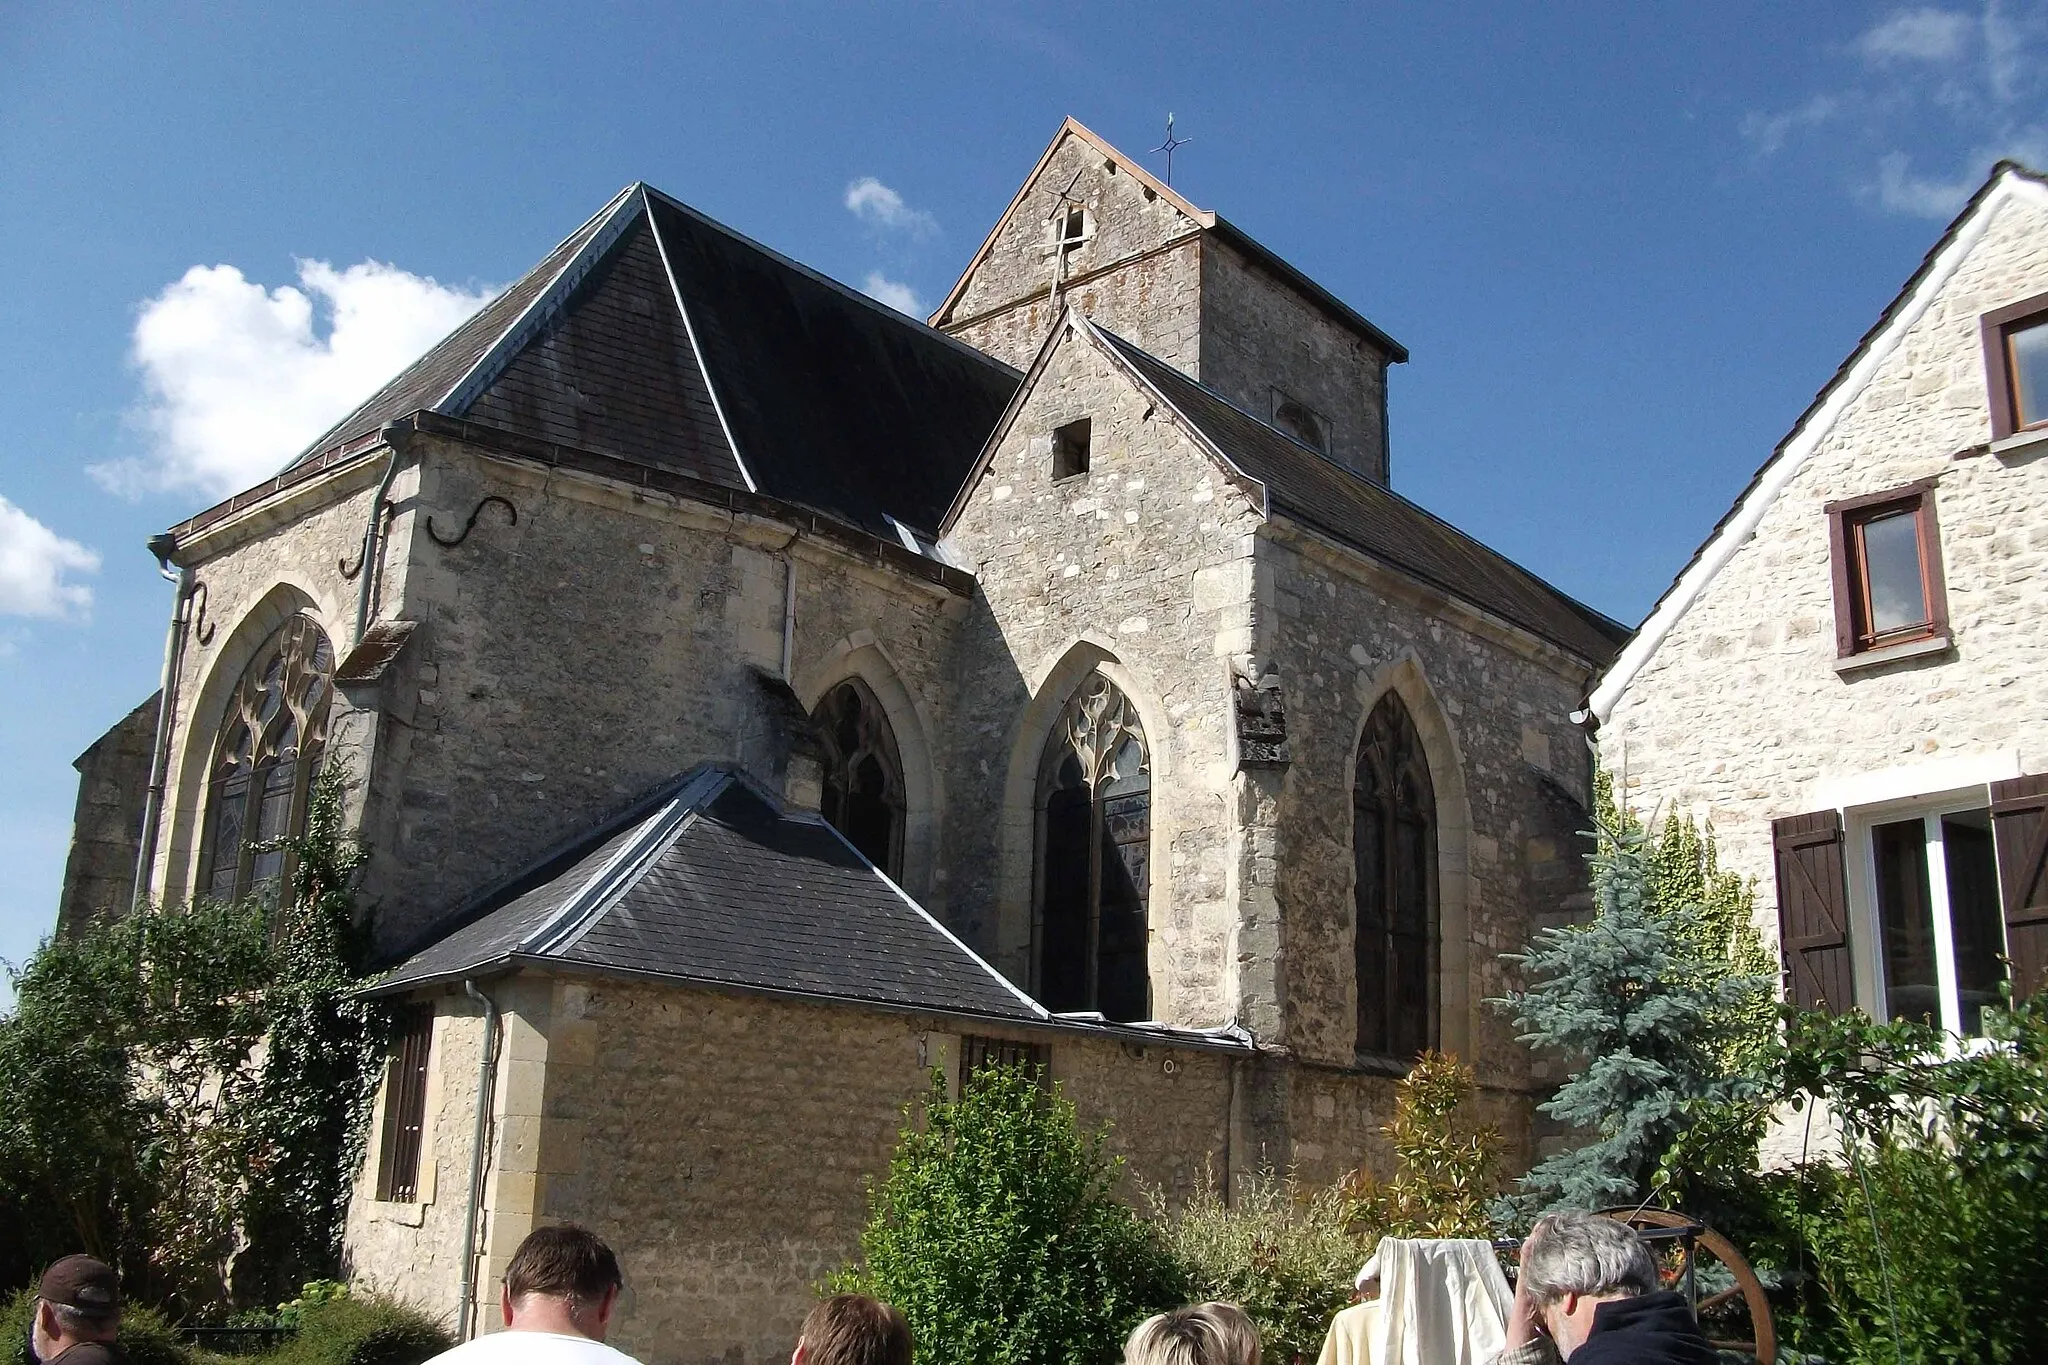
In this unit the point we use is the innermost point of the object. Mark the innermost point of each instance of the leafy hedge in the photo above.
(336, 1331)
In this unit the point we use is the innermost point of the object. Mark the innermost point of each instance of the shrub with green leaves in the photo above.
(145, 1338)
(998, 1235)
(1282, 1251)
(353, 1330)
(1445, 1165)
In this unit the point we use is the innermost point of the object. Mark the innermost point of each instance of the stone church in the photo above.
(754, 699)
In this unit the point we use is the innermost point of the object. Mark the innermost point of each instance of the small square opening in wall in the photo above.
(1074, 227)
(1070, 450)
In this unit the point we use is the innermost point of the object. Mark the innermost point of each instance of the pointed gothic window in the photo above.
(1393, 834)
(863, 776)
(270, 745)
(1095, 850)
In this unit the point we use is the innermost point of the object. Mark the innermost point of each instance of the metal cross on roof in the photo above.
(1168, 146)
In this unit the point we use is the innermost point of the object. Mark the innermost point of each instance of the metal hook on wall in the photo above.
(202, 628)
(450, 542)
(349, 571)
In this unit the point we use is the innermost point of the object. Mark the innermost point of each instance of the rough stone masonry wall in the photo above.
(1740, 715)
(1144, 560)
(106, 824)
(257, 568)
(1004, 304)
(413, 1251)
(1492, 706)
(723, 1143)
(601, 645)
(1260, 335)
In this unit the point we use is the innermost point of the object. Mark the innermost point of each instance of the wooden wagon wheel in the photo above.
(1712, 1310)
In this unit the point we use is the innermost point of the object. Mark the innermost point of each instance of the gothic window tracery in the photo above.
(1393, 832)
(863, 797)
(263, 766)
(1095, 849)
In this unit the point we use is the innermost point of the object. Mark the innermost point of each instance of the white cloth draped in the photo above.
(1442, 1301)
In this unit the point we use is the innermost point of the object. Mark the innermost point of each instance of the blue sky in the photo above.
(1625, 243)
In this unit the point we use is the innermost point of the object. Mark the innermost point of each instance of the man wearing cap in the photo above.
(78, 1314)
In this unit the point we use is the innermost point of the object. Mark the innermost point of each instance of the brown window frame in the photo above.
(405, 1107)
(1997, 327)
(1851, 576)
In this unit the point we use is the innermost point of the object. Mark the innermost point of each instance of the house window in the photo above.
(2016, 366)
(1393, 842)
(863, 797)
(979, 1054)
(263, 767)
(1887, 570)
(1939, 933)
(1301, 421)
(1917, 910)
(405, 1108)
(1094, 857)
(1070, 450)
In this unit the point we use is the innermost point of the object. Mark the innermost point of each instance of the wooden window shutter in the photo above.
(2019, 824)
(1813, 911)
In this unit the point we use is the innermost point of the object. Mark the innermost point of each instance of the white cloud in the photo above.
(239, 378)
(33, 563)
(1917, 35)
(1768, 132)
(1899, 190)
(869, 200)
(897, 295)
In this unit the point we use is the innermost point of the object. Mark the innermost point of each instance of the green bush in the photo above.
(145, 1336)
(361, 1331)
(1281, 1251)
(997, 1235)
(1447, 1167)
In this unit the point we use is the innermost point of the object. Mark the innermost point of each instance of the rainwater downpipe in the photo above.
(163, 547)
(394, 434)
(486, 1072)
(788, 612)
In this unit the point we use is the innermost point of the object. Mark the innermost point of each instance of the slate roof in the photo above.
(1312, 489)
(711, 882)
(660, 337)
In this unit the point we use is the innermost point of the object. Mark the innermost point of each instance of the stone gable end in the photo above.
(1742, 715)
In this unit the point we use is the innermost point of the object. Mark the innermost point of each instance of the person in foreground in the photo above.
(1588, 1294)
(77, 1315)
(1201, 1334)
(853, 1329)
(560, 1289)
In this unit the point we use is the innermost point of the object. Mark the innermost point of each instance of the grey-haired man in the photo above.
(1588, 1294)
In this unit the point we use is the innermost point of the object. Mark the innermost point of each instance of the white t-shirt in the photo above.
(532, 1348)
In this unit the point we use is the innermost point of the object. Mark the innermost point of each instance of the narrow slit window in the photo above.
(1070, 450)
(405, 1108)
(1074, 227)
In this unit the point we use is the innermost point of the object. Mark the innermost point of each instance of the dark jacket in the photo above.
(1655, 1329)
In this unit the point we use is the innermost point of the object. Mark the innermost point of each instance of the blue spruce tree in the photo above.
(1647, 1015)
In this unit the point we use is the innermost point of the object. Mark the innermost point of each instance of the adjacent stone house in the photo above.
(1848, 677)
(754, 698)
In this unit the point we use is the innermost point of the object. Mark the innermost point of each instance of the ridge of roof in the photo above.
(611, 223)
(1138, 359)
(1936, 267)
(894, 315)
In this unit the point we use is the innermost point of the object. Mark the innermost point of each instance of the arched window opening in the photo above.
(1393, 838)
(269, 749)
(863, 775)
(1095, 852)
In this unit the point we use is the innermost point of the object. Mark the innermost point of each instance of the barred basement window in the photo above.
(405, 1108)
(269, 750)
(863, 796)
(1393, 837)
(978, 1054)
(1094, 857)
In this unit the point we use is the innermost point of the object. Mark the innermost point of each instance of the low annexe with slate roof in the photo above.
(711, 882)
